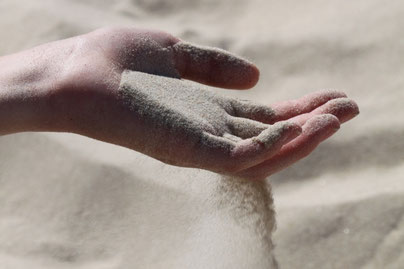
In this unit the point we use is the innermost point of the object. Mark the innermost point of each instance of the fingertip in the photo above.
(252, 76)
(294, 127)
(343, 108)
(267, 142)
(291, 130)
(325, 124)
(278, 134)
(354, 108)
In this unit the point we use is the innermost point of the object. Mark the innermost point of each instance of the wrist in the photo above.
(27, 82)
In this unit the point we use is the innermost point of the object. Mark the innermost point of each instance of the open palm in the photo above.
(134, 95)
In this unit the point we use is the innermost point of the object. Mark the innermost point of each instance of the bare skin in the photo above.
(73, 85)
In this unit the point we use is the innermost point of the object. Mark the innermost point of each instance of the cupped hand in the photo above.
(125, 86)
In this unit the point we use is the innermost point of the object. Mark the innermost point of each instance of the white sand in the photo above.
(71, 202)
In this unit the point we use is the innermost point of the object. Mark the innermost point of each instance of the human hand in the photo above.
(170, 119)
(188, 125)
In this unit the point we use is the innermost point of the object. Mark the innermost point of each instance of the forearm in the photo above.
(28, 80)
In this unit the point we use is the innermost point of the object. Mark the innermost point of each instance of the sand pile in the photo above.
(72, 202)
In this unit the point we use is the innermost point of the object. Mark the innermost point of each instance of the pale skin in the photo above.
(73, 85)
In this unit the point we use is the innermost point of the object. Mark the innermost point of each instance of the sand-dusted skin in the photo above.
(194, 126)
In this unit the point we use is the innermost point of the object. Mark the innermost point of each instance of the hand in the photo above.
(187, 125)
(170, 119)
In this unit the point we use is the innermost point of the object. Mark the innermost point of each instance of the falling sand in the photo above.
(178, 110)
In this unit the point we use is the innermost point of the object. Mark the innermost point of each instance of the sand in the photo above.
(72, 202)
(190, 125)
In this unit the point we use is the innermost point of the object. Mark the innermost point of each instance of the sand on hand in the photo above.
(194, 126)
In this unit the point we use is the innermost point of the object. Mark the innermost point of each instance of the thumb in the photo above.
(214, 67)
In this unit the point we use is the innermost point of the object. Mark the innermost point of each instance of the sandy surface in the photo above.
(72, 202)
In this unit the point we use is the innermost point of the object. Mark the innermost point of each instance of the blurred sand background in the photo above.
(67, 201)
